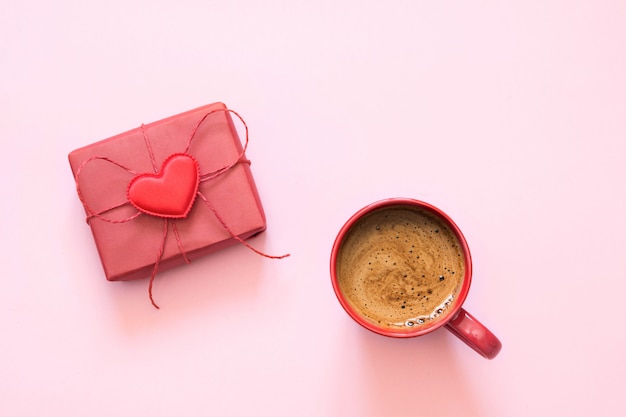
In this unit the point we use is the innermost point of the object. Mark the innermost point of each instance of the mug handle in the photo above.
(474, 334)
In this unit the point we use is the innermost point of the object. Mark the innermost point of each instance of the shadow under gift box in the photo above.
(129, 247)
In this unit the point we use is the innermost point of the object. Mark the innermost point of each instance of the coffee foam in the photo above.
(400, 267)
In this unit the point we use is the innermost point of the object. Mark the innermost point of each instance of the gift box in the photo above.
(167, 192)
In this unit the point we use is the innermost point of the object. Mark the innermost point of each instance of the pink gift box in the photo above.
(133, 244)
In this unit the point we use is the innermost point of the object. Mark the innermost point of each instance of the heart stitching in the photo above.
(171, 192)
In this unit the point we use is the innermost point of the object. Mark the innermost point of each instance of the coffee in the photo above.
(400, 267)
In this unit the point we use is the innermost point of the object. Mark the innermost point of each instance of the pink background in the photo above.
(508, 115)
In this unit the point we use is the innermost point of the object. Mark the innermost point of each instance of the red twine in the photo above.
(171, 223)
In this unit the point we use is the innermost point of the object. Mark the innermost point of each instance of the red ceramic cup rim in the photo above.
(417, 330)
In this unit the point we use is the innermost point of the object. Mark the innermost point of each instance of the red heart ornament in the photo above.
(169, 193)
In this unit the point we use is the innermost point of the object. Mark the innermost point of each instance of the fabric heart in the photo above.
(169, 193)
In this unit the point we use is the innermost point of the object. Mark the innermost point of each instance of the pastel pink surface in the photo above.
(509, 116)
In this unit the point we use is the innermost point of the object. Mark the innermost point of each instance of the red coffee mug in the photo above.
(456, 319)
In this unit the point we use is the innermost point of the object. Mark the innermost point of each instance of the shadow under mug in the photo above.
(456, 319)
